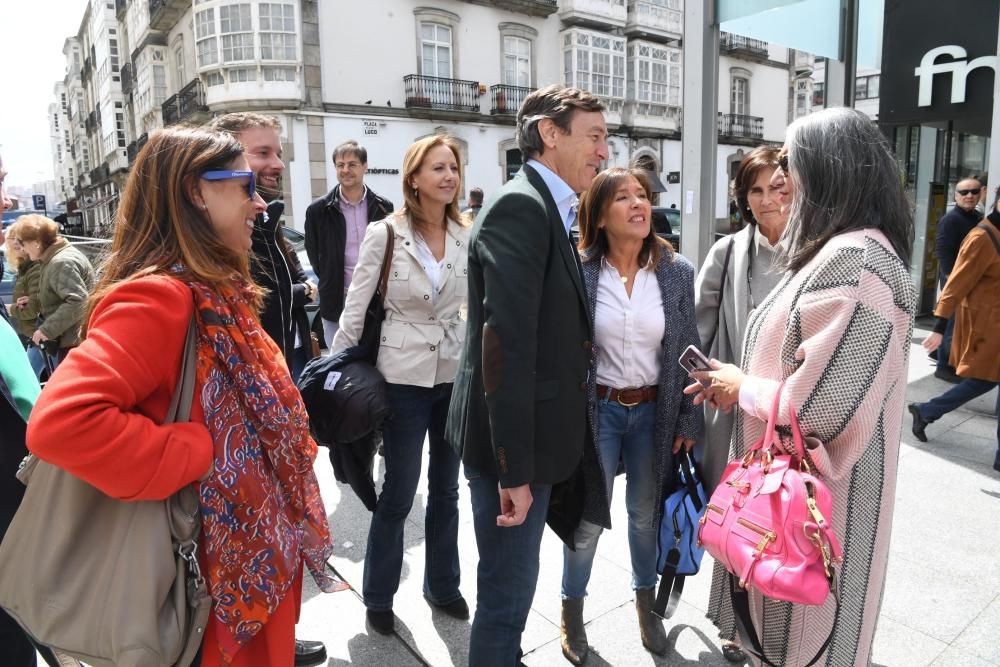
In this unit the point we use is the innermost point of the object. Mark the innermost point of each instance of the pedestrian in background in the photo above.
(24, 311)
(64, 283)
(418, 356)
(640, 297)
(835, 333)
(951, 231)
(971, 299)
(181, 248)
(739, 272)
(475, 203)
(519, 409)
(273, 263)
(335, 226)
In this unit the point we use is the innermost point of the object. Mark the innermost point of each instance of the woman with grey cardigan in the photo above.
(641, 305)
(736, 276)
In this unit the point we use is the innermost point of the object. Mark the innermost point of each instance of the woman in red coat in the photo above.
(182, 238)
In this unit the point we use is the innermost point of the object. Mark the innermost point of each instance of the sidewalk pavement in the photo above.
(942, 592)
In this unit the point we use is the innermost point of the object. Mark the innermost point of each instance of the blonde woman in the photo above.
(421, 341)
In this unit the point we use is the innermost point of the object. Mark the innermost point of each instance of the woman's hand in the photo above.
(724, 381)
(681, 441)
(22, 301)
(310, 291)
(932, 342)
(38, 337)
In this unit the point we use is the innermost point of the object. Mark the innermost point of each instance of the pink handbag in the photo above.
(767, 521)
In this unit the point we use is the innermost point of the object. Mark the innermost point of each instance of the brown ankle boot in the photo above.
(572, 635)
(654, 638)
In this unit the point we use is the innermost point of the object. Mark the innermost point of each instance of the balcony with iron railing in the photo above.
(188, 104)
(740, 127)
(133, 148)
(128, 80)
(653, 20)
(432, 92)
(737, 45)
(164, 14)
(593, 13)
(100, 173)
(540, 8)
(506, 100)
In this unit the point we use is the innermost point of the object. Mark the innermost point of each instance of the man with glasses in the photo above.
(335, 226)
(952, 229)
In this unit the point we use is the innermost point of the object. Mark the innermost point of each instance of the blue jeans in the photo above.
(508, 570)
(416, 412)
(957, 396)
(624, 434)
(36, 359)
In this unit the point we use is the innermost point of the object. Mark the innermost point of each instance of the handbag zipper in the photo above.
(709, 507)
(765, 535)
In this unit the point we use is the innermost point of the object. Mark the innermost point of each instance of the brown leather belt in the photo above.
(627, 397)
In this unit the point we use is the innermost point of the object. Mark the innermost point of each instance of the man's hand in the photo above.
(932, 342)
(38, 337)
(311, 291)
(514, 505)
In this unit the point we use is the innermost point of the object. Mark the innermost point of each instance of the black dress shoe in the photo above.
(309, 653)
(382, 621)
(919, 423)
(456, 609)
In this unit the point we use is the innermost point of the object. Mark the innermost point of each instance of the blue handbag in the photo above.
(678, 553)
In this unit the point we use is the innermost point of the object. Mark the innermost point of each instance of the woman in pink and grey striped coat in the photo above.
(836, 330)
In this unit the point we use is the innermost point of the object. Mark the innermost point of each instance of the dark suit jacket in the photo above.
(519, 402)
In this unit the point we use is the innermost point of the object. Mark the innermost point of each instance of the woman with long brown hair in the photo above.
(182, 236)
(641, 303)
(418, 356)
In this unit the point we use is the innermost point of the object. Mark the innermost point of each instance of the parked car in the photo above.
(667, 223)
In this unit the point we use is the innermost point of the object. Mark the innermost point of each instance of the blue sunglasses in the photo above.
(227, 175)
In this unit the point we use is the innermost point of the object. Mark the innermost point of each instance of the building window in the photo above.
(277, 31)
(818, 96)
(595, 62)
(213, 79)
(435, 50)
(516, 62)
(242, 75)
(654, 73)
(208, 48)
(113, 47)
(236, 30)
(179, 64)
(278, 73)
(120, 129)
(866, 87)
(159, 84)
(739, 96)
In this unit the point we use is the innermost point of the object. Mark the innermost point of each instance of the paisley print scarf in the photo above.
(262, 514)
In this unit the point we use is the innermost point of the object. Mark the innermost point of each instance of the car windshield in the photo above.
(295, 237)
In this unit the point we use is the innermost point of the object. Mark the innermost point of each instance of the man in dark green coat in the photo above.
(518, 409)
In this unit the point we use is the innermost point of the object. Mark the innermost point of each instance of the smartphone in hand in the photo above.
(692, 360)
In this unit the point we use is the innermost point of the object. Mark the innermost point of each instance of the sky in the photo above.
(32, 33)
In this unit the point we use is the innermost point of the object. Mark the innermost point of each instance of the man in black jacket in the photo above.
(335, 226)
(518, 407)
(952, 229)
(272, 262)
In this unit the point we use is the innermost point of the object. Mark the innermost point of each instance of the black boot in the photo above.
(572, 634)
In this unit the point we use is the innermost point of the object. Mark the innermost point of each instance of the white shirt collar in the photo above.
(558, 188)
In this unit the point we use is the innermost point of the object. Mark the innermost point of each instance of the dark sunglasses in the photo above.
(965, 193)
(783, 163)
(227, 175)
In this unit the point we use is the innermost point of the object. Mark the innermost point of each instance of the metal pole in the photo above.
(994, 159)
(841, 74)
(699, 133)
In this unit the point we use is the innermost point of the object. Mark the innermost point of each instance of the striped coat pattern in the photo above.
(837, 332)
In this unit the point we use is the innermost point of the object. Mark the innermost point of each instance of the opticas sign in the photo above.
(935, 68)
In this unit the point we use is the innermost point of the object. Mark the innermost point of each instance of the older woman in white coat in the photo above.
(418, 356)
(736, 276)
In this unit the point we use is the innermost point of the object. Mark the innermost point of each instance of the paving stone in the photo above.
(980, 637)
(952, 657)
(896, 644)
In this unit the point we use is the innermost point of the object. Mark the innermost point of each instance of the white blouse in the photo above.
(628, 331)
(432, 267)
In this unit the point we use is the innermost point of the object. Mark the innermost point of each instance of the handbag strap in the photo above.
(748, 633)
(390, 243)
(725, 268)
(767, 441)
(180, 402)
